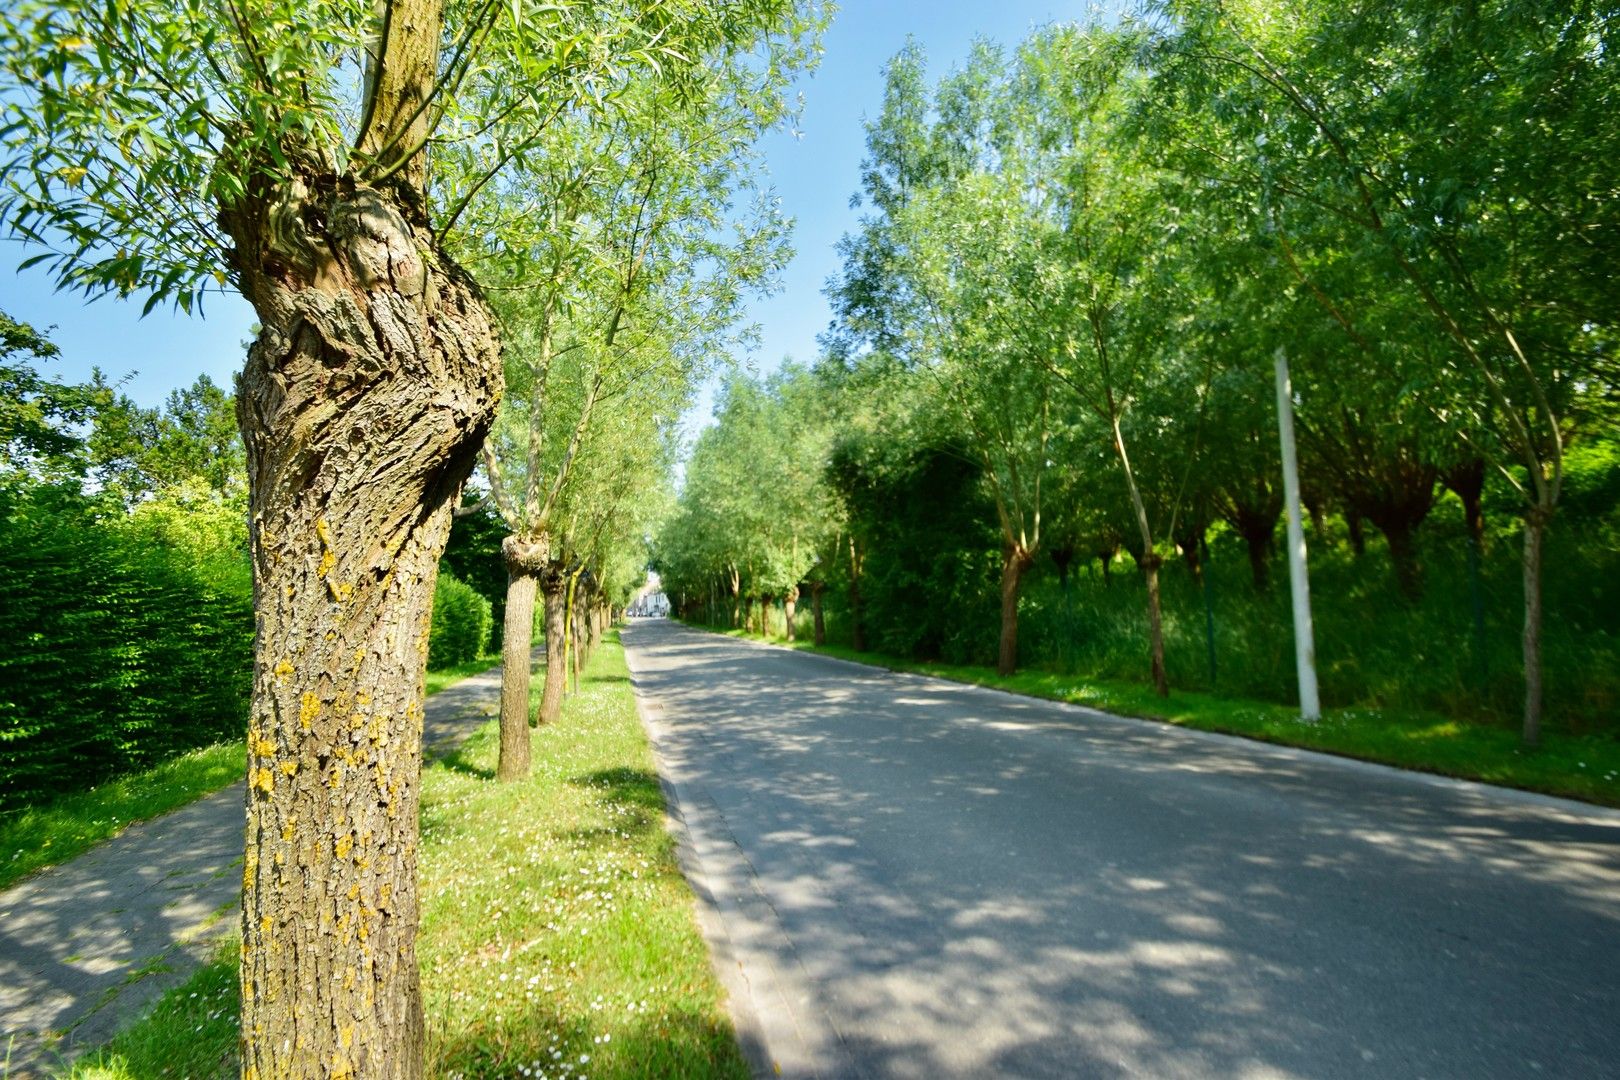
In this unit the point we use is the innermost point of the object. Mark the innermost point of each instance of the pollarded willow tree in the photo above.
(293, 153)
(632, 276)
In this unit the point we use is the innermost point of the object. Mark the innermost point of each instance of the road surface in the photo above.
(906, 877)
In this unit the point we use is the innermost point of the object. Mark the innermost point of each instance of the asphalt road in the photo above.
(905, 877)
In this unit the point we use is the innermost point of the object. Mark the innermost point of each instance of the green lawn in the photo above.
(56, 831)
(557, 932)
(1581, 767)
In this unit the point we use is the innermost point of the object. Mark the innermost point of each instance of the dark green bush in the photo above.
(124, 639)
(462, 620)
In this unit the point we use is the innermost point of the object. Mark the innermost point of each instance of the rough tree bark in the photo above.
(1014, 561)
(1535, 535)
(790, 604)
(362, 405)
(525, 560)
(553, 586)
(1150, 564)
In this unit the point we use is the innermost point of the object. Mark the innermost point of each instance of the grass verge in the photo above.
(558, 938)
(41, 836)
(1583, 767)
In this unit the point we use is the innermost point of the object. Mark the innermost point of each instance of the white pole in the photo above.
(1310, 705)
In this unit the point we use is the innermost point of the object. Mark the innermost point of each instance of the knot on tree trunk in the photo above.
(524, 556)
(378, 245)
(1150, 560)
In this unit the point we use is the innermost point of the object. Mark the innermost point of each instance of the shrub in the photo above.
(121, 649)
(462, 620)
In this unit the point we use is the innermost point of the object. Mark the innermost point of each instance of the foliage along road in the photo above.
(87, 946)
(910, 877)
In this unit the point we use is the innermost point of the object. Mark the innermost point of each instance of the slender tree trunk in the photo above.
(1014, 561)
(816, 617)
(571, 632)
(857, 619)
(362, 406)
(790, 604)
(553, 587)
(524, 561)
(1150, 563)
(1535, 535)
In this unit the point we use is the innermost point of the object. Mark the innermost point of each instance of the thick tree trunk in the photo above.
(525, 559)
(816, 617)
(1403, 558)
(553, 588)
(790, 604)
(362, 406)
(1259, 548)
(1535, 534)
(1014, 561)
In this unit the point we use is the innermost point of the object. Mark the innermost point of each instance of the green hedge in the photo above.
(462, 620)
(124, 639)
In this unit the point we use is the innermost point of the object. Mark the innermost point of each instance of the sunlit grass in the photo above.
(56, 831)
(446, 677)
(1578, 766)
(558, 937)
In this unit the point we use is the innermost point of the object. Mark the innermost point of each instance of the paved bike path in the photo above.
(87, 946)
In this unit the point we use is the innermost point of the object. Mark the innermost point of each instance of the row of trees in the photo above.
(1078, 260)
(377, 179)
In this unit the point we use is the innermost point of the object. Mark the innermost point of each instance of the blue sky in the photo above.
(814, 174)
